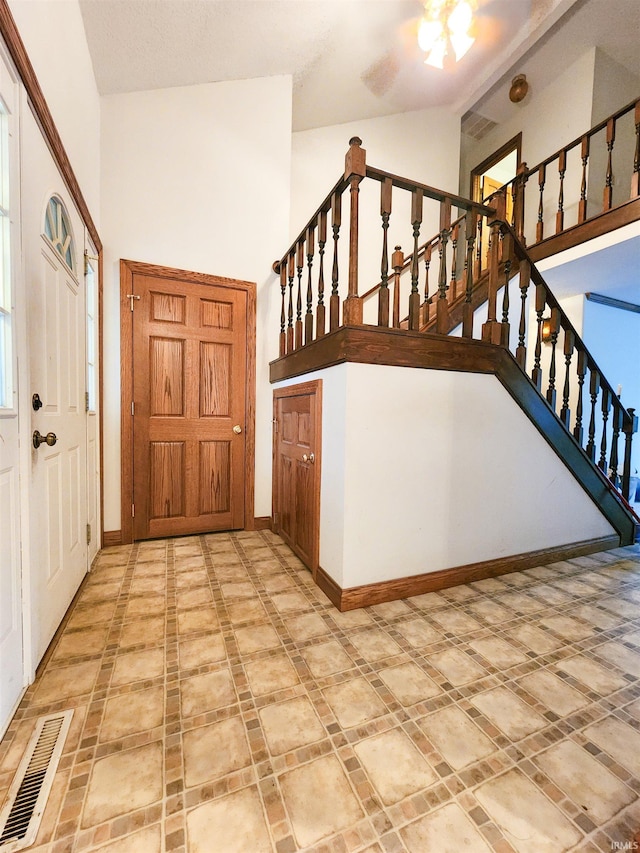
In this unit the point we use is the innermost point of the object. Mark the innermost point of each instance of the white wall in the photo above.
(53, 34)
(548, 120)
(440, 469)
(196, 178)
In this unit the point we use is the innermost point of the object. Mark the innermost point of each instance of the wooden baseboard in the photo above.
(391, 590)
(263, 522)
(111, 537)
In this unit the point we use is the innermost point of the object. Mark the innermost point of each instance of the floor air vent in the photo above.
(22, 812)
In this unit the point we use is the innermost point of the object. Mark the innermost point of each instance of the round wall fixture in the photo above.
(519, 89)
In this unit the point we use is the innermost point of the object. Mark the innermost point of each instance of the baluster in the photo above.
(629, 427)
(562, 168)
(299, 267)
(397, 261)
(290, 274)
(308, 317)
(565, 412)
(283, 315)
(355, 170)
(607, 197)
(467, 310)
(541, 301)
(635, 178)
(525, 281)
(427, 299)
(479, 248)
(554, 325)
(322, 239)
(453, 287)
(606, 405)
(334, 299)
(617, 424)
(519, 185)
(581, 370)
(507, 254)
(594, 388)
(584, 154)
(442, 307)
(385, 212)
(542, 175)
(414, 296)
(492, 330)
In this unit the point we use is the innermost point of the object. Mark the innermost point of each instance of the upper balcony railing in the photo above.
(593, 175)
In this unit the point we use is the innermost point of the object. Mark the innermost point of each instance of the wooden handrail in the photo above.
(578, 141)
(522, 254)
(429, 191)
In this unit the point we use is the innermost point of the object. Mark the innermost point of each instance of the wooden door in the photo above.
(189, 402)
(296, 480)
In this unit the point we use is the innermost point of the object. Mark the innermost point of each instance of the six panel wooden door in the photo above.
(189, 396)
(296, 479)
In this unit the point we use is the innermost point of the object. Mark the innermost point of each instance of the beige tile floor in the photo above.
(222, 705)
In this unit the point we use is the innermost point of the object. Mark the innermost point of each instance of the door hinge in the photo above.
(86, 401)
(88, 534)
(275, 425)
(131, 297)
(133, 510)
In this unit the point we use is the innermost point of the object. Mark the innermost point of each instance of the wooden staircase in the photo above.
(423, 310)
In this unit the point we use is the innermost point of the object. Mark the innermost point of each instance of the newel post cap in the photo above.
(355, 162)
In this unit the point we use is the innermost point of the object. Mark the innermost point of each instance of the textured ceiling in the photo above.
(349, 59)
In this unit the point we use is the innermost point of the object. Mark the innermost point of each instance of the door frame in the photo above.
(313, 386)
(127, 271)
(513, 144)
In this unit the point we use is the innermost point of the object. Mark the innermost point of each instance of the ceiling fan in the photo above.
(439, 37)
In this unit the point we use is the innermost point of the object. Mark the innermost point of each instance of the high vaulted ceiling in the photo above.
(349, 59)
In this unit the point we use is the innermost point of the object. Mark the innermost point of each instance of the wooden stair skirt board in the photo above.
(391, 590)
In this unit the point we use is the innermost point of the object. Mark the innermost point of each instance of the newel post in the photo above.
(492, 329)
(355, 169)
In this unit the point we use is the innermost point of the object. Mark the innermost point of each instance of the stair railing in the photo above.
(578, 392)
(305, 293)
(584, 179)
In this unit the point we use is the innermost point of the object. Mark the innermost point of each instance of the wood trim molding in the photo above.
(127, 271)
(513, 144)
(396, 347)
(603, 223)
(377, 593)
(610, 302)
(18, 53)
(111, 537)
(263, 522)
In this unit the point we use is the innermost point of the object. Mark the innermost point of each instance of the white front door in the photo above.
(12, 678)
(53, 260)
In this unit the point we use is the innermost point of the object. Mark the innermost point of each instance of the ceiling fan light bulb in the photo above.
(437, 54)
(461, 43)
(428, 34)
(460, 18)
